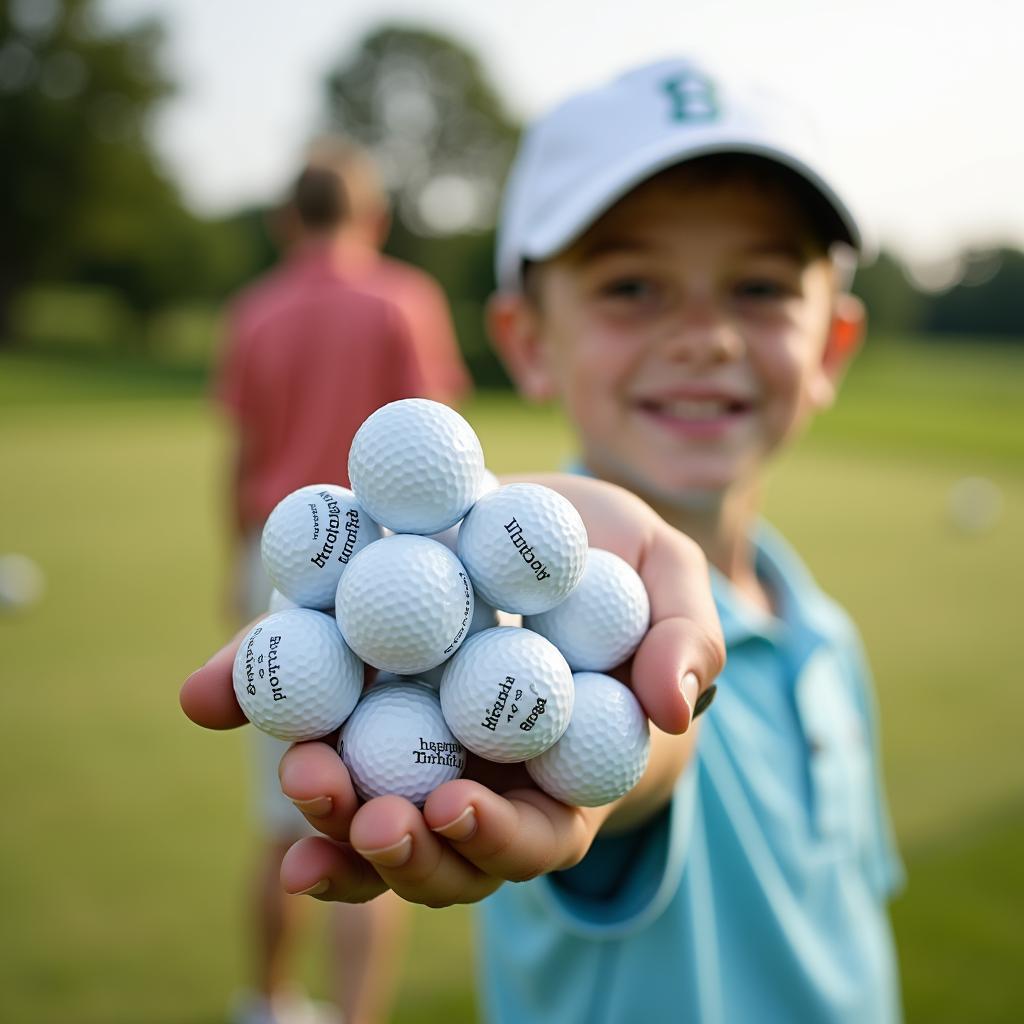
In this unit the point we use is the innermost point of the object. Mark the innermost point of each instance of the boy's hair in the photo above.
(577, 161)
(319, 198)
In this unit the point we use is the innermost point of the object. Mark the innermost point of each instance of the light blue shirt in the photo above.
(759, 893)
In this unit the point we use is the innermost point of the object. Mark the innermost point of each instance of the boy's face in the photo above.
(689, 333)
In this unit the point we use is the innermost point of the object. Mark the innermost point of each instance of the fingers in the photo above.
(316, 780)
(420, 867)
(683, 651)
(315, 866)
(514, 837)
(208, 697)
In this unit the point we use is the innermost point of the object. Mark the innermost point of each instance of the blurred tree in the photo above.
(987, 299)
(894, 305)
(422, 104)
(82, 196)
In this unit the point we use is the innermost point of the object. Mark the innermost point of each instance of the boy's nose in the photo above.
(702, 336)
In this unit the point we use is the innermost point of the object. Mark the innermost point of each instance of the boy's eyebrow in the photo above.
(608, 247)
(788, 249)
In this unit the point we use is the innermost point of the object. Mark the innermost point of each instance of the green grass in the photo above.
(123, 864)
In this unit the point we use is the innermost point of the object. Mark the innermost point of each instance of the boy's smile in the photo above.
(687, 333)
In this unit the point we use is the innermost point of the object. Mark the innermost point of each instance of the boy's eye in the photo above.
(763, 288)
(630, 288)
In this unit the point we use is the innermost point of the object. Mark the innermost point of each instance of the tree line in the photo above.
(84, 200)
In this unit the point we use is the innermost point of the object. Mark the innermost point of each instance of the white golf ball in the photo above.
(22, 582)
(484, 617)
(310, 538)
(508, 694)
(396, 741)
(601, 623)
(450, 537)
(416, 466)
(525, 547)
(404, 604)
(603, 752)
(294, 677)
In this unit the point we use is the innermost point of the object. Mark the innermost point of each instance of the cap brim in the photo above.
(574, 216)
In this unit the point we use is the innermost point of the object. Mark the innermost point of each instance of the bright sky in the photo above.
(921, 98)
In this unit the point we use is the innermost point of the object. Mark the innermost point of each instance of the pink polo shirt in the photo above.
(307, 358)
(422, 302)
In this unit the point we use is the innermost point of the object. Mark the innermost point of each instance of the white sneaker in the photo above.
(287, 1008)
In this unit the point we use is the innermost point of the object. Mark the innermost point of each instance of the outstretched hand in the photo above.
(494, 825)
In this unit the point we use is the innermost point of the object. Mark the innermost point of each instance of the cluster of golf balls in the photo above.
(407, 572)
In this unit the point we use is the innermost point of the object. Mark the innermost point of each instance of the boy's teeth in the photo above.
(704, 409)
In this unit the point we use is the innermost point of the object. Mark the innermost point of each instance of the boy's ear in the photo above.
(846, 333)
(515, 329)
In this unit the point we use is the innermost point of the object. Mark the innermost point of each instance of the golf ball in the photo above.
(310, 538)
(396, 741)
(416, 466)
(484, 617)
(404, 604)
(603, 752)
(294, 677)
(507, 694)
(22, 582)
(524, 547)
(450, 537)
(601, 623)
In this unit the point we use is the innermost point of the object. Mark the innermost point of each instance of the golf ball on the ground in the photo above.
(601, 623)
(396, 741)
(525, 547)
(310, 538)
(404, 604)
(416, 466)
(294, 677)
(484, 617)
(507, 694)
(22, 582)
(604, 751)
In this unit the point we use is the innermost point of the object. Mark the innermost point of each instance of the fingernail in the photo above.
(689, 686)
(705, 699)
(317, 889)
(317, 807)
(393, 856)
(461, 828)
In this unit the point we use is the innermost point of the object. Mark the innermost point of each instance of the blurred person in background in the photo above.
(357, 253)
(313, 348)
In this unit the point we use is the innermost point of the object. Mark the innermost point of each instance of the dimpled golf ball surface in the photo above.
(525, 548)
(396, 741)
(601, 623)
(294, 677)
(484, 617)
(310, 538)
(508, 694)
(603, 752)
(404, 604)
(450, 537)
(416, 466)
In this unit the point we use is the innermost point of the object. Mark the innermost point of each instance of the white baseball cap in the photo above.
(578, 160)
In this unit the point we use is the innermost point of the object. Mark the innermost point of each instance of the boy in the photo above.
(666, 270)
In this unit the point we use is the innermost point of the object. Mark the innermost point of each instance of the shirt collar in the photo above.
(802, 607)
